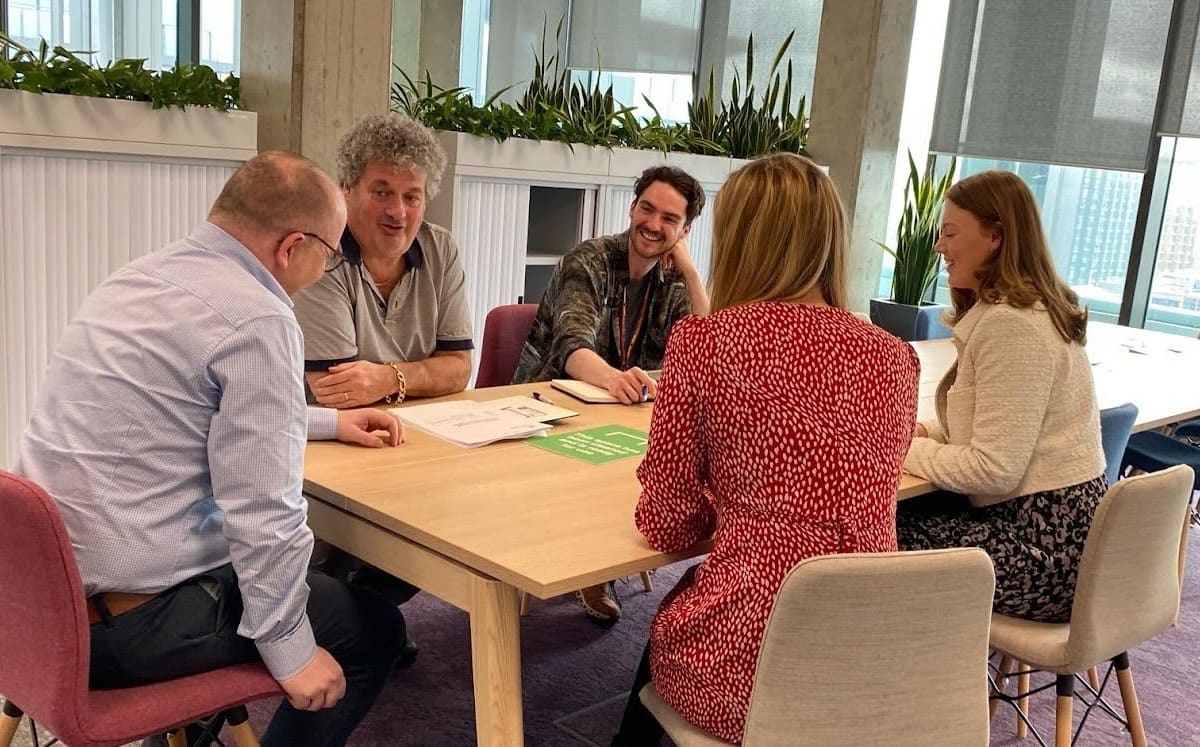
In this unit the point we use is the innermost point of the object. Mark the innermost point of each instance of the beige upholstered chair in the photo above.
(1128, 592)
(841, 620)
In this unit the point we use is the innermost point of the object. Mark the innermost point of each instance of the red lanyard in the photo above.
(625, 347)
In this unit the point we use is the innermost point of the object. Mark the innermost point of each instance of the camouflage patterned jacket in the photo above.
(582, 308)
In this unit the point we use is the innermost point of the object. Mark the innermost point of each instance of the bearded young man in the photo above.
(610, 306)
(612, 300)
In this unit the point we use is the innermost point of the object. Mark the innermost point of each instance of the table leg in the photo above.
(496, 663)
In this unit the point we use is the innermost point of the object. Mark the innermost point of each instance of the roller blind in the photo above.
(1070, 82)
(645, 36)
(1181, 114)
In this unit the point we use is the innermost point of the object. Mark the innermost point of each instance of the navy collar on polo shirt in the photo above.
(350, 249)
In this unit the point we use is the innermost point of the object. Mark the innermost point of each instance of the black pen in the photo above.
(540, 398)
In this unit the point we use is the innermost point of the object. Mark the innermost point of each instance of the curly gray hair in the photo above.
(394, 139)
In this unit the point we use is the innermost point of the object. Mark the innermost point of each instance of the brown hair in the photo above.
(1021, 272)
(680, 180)
(779, 232)
(276, 191)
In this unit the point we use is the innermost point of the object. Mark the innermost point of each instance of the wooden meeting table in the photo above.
(474, 526)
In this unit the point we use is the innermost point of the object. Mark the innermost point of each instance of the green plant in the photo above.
(555, 107)
(916, 261)
(59, 70)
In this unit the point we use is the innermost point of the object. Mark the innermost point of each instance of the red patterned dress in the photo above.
(782, 428)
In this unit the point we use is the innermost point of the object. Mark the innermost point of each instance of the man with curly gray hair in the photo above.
(392, 321)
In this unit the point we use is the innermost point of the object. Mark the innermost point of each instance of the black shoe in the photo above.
(408, 654)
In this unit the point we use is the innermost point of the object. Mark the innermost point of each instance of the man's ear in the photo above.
(286, 248)
(687, 228)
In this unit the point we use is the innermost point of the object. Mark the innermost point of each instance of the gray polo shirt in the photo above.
(344, 318)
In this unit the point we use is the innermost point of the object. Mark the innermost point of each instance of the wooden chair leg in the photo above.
(524, 603)
(177, 738)
(10, 719)
(239, 725)
(1006, 664)
(1023, 700)
(647, 584)
(1133, 714)
(1062, 716)
(1094, 678)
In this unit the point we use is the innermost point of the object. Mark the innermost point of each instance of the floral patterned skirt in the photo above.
(1035, 542)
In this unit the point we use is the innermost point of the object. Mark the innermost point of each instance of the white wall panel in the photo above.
(66, 223)
(491, 222)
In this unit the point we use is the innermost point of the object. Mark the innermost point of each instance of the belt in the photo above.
(114, 604)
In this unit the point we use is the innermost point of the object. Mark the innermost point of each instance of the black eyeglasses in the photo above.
(335, 257)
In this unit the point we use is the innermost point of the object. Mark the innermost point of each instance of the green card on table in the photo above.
(605, 443)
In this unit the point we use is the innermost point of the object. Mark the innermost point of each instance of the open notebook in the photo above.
(593, 395)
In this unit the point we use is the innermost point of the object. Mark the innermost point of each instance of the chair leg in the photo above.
(1023, 701)
(647, 584)
(177, 738)
(239, 724)
(1062, 717)
(1133, 714)
(9, 721)
(1094, 678)
(524, 603)
(1006, 664)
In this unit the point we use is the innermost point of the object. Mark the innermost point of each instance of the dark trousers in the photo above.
(639, 728)
(192, 628)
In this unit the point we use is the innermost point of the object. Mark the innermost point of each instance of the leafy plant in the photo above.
(916, 261)
(59, 70)
(555, 107)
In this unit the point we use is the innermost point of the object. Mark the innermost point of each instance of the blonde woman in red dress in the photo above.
(780, 428)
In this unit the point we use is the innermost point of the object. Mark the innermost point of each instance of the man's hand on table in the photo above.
(354, 384)
(359, 427)
(627, 386)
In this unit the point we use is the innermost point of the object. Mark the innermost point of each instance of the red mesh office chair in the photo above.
(504, 333)
(44, 642)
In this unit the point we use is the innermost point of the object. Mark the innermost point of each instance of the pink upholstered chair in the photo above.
(44, 642)
(504, 332)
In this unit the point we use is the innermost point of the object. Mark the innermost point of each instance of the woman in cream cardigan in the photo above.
(1017, 429)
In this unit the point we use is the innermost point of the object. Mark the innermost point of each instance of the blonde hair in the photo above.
(779, 232)
(1021, 272)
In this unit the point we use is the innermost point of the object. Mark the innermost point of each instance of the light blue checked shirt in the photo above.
(171, 428)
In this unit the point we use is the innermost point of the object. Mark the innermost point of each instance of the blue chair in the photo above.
(1151, 451)
(1116, 423)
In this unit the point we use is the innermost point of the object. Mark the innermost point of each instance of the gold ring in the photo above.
(345, 396)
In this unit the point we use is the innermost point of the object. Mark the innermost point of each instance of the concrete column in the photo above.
(858, 95)
(311, 67)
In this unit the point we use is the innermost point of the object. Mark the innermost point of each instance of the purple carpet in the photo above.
(576, 676)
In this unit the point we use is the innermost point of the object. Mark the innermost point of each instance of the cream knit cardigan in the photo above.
(1016, 412)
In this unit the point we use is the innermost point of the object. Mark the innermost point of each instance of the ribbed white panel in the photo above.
(616, 219)
(491, 223)
(66, 223)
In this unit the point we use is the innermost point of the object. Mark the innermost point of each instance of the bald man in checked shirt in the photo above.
(171, 429)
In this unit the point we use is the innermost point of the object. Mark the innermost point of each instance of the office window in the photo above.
(1175, 288)
(1088, 215)
(916, 121)
(112, 29)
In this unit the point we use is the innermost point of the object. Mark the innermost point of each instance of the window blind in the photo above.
(645, 36)
(1070, 82)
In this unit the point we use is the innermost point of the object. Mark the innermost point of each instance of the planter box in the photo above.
(629, 163)
(54, 121)
(517, 158)
(544, 160)
(909, 322)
